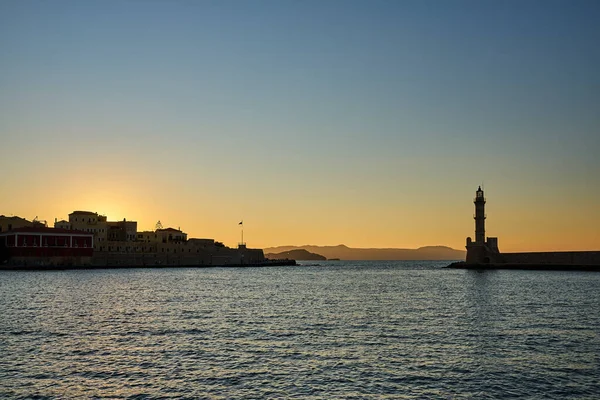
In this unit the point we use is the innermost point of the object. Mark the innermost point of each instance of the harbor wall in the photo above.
(200, 257)
(37, 261)
(558, 257)
(129, 255)
(481, 254)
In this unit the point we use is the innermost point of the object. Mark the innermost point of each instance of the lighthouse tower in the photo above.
(479, 216)
(481, 250)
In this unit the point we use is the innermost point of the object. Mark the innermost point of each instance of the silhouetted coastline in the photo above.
(89, 240)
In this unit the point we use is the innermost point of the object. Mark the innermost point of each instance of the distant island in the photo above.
(348, 253)
(296, 254)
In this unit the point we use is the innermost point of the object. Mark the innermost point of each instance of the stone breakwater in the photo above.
(524, 266)
(34, 267)
(553, 257)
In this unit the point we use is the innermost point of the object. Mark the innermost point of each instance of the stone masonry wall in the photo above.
(559, 257)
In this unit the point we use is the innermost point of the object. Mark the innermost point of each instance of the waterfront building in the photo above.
(47, 246)
(171, 235)
(147, 237)
(9, 223)
(104, 231)
(62, 224)
(121, 231)
(90, 222)
(87, 238)
(14, 222)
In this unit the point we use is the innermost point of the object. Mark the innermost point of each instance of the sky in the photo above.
(367, 123)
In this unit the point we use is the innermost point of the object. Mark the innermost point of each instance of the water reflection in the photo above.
(368, 330)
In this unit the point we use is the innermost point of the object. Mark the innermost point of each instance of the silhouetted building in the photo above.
(62, 224)
(90, 222)
(121, 231)
(87, 238)
(481, 249)
(104, 231)
(10, 223)
(42, 246)
(171, 235)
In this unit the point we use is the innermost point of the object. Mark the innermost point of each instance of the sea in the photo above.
(319, 330)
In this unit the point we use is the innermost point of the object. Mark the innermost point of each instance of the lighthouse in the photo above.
(479, 216)
(481, 250)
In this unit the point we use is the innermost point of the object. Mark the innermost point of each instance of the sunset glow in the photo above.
(364, 123)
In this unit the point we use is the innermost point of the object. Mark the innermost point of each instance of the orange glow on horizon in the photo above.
(401, 219)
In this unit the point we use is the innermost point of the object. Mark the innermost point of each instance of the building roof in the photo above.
(84, 213)
(124, 221)
(14, 217)
(43, 229)
(169, 230)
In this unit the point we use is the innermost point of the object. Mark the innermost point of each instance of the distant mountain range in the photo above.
(296, 254)
(348, 253)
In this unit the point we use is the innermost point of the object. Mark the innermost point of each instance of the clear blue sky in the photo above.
(305, 114)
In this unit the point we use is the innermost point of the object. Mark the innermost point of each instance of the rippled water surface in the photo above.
(336, 330)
